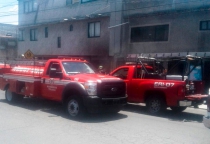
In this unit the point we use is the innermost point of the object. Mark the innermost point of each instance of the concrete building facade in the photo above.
(106, 31)
(183, 25)
(8, 41)
(63, 27)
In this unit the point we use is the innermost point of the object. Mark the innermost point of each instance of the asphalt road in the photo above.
(36, 121)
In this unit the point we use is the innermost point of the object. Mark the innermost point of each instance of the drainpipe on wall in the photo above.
(115, 48)
(36, 14)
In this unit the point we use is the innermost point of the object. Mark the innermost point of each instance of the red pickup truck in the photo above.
(147, 84)
(71, 81)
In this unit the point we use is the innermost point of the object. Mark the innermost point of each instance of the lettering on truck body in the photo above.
(164, 85)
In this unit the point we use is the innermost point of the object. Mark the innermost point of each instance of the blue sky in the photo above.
(9, 11)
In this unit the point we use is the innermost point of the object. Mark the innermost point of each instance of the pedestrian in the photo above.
(101, 70)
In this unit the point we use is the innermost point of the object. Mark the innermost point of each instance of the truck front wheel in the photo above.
(178, 109)
(155, 105)
(74, 107)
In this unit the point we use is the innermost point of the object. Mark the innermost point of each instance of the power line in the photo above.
(10, 12)
(10, 2)
(9, 5)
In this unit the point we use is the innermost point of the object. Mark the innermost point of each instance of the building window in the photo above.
(84, 1)
(21, 36)
(150, 33)
(94, 29)
(71, 28)
(30, 6)
(59, 42)
(205, 25)
(69, 2)
(33, 34)
(46, 32)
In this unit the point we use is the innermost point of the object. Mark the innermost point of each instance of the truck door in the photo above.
(125, 74)
(137, 86)
(52, 86)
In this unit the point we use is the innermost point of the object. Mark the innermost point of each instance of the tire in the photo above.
(12, 97)
(155, 105)
(116, 110)
(74, 107)
(178, 109)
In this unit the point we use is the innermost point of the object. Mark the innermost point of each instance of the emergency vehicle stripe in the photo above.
(56, 82)
(21, 78)
(33, 79)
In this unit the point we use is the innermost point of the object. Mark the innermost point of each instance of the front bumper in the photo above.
(96, 104)
(206, 120)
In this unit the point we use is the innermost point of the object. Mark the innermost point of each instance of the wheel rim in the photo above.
(155, 105)
(9, 95)
(73, 107)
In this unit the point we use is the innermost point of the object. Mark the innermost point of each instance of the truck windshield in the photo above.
(77, 67)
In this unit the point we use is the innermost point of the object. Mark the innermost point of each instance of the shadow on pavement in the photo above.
(169, 114)
(55, 109)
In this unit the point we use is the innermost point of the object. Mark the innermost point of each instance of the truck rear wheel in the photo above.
(12, 97)
(74, 107)
(155, 105)
(178, 109)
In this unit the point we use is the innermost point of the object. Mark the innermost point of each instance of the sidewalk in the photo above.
(203, 106)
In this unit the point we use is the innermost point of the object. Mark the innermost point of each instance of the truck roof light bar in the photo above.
(71, 58)
(137, 59)
(130, 63)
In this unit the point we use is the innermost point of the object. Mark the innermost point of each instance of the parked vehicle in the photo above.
(206, 119)
(147, 82)
(71, 81)
(191, 69)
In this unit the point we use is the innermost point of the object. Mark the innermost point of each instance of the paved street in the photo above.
(36, 121)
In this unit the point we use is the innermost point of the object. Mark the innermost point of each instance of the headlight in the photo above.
(91, 88)
(209, 91)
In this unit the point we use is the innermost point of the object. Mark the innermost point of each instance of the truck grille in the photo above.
(111, 89)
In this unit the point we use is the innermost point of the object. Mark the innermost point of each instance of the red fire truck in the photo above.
(71, 81)
(147, 82)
